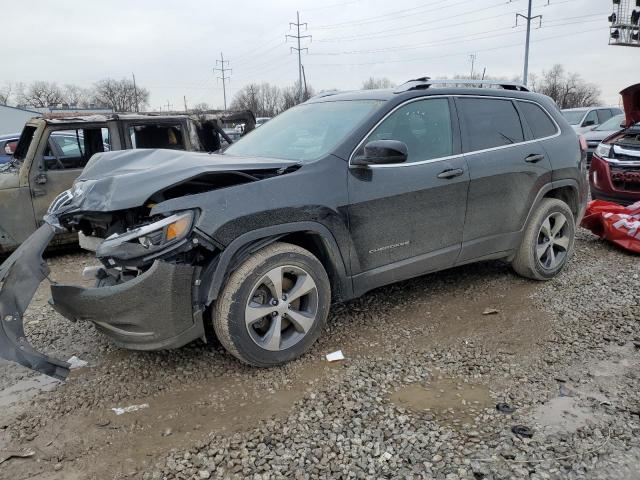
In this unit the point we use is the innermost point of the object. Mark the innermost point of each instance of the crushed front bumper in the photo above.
(150, 312)
(20, 275)
(155, 310)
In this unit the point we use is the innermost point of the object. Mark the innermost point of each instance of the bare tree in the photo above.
(568, 90)
(290, 96)
(266, 100)
(201, 107)
(41, 94)
(120, 95)
(5, 94)
(373, 83)
(248, 98)
(76, 96)
(270, 98)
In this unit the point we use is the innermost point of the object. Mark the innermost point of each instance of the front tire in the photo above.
(274, 306)
(548, 240)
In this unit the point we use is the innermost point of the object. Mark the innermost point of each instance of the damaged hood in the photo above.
(631, 102)
(126, 179)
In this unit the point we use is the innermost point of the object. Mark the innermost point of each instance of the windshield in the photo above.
(612, 124)
(573, 116)
(305, 132)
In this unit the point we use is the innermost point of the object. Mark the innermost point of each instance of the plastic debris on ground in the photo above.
(75, 362)
(335, 356)
(7, 454)
(132, 408)
(490, 311)
(614, 223)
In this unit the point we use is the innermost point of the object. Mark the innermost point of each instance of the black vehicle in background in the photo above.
(330, 199)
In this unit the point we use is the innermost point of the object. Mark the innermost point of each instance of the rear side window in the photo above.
(157, 136)
(489, 123)
(539, 122)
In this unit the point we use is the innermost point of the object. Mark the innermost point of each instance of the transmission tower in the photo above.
(298, 37)
(222, 68)
(529, 18)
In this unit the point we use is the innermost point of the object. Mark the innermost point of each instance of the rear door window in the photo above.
(538, 120)
(489, 123)
(157, 136)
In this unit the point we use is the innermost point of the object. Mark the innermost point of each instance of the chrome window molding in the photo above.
(450, 157)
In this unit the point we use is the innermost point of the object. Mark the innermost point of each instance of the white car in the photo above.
(584, 119)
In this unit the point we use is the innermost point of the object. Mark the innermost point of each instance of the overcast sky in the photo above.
(172, 46)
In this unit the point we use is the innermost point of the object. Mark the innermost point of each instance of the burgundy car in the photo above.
(615, 168)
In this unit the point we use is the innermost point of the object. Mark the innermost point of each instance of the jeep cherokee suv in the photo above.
(333, 198)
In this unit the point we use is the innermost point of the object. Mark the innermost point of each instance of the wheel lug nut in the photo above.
(274, 314)
(274, 302)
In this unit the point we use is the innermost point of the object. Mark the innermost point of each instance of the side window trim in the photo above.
(456, 135)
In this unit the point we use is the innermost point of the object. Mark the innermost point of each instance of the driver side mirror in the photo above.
(10, 147)
(382, 152)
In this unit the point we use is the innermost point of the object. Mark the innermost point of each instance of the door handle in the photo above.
(37, 192)
(451, 173)
(534, 157)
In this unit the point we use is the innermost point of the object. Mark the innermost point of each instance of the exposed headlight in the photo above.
(156, 234)
(603, 150)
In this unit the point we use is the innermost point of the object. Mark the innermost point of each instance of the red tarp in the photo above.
(615, 223)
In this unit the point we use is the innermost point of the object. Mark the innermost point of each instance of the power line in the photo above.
(298, 37)
(224, 79)
(447, 41)
(422, 59)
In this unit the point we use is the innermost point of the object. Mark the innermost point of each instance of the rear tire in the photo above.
(274, 306)
(547, 242)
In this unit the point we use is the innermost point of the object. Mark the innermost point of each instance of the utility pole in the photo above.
(528, 18)
(135, 92)
(472, 59)
(304, 77)
(169, 106)
(298, 37)
(222, 69)
(185, 103)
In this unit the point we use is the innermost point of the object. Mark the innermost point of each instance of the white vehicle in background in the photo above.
(262, 120)
(586, 118)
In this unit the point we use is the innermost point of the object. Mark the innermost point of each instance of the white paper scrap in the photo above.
(335, 356)
(132, 408)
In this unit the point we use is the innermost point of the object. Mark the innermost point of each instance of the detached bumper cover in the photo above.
(20, 275)
(151, 312)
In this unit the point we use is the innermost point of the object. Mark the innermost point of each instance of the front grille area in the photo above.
(627, 179)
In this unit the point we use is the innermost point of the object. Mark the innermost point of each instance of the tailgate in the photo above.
(20, 276)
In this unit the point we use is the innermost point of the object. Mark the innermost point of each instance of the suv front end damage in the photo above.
(148, 287)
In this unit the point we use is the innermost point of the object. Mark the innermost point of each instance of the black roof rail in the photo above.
(426, 82)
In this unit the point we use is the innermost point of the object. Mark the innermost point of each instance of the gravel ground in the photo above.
(415, 398)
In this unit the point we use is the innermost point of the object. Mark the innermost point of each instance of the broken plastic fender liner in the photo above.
(21, 274)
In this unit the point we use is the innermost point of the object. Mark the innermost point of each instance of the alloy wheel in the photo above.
(553, 241)
(282, 308)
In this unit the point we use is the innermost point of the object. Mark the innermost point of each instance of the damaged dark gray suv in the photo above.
(335, 197)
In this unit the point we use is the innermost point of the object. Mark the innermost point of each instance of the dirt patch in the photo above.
(451, 401)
